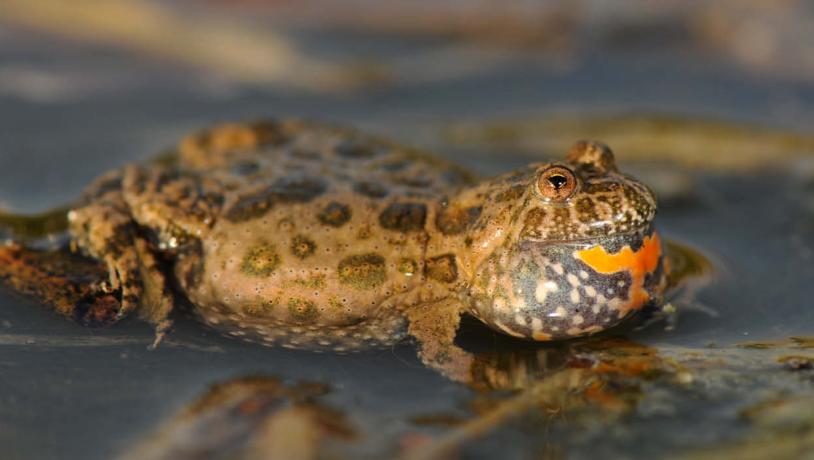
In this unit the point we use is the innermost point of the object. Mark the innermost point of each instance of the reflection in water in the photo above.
(519, 369)
(603, 374)
(687, 265)
(248, 418)
(609, 385)
(689, 272)
(597, 385)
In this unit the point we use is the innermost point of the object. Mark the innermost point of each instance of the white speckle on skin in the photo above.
(574, 296)
(572, 280)
(558, 269)
(560, 312)
(615, 304)
(536, 324)
(583, 274)
(520, 319)
(590, 291)
(577, 319)
(542, 290)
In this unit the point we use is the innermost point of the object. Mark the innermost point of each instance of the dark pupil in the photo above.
(557, 181)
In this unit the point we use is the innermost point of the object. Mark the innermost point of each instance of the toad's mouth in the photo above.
(611, 242)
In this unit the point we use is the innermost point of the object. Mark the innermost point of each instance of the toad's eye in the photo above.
(557, 183)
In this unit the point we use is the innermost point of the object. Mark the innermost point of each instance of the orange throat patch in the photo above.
(637, 263)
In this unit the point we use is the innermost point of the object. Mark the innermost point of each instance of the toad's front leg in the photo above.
(104, 230)
(434, 326)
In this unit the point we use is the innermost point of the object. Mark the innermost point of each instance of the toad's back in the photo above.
(321, 235)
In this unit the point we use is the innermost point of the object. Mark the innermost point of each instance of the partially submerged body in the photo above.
(304, 235)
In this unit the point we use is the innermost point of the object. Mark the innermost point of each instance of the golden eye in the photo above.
(557, 183)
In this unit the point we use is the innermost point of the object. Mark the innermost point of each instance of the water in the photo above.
(72, 392)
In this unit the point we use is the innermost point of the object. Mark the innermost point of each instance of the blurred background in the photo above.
(709, 102)
(123, 78)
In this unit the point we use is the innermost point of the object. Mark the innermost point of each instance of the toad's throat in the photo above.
(637, 263)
